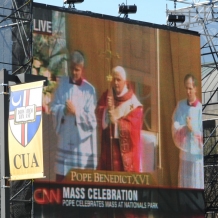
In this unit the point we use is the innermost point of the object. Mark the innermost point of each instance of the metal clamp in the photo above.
(5, 177)
(4, 186)
(3, 84)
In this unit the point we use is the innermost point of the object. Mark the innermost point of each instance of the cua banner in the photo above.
(25, 131)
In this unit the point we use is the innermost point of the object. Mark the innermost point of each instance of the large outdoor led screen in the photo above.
(122, 127)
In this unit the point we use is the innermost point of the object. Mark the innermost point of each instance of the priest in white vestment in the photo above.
(73, 110)
(187, 136)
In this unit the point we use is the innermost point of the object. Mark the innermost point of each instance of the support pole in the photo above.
(4, 99)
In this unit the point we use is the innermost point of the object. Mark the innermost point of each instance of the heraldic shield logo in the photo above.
(25, 113)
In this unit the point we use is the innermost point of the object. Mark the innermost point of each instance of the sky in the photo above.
(152, 11)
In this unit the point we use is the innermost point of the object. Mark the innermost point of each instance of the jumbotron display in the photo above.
(122, 126)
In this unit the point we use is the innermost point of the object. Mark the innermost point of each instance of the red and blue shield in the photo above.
(25, 112)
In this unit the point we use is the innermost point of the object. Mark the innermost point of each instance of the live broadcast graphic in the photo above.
(122, 129)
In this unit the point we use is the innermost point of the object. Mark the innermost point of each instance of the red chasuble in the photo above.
(121, 153)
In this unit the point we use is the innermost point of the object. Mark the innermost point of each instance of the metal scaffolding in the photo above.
(16, 36)
(202, 16)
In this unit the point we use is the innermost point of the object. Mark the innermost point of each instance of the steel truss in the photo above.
(202, 16)
(16, 36)
(15, 43)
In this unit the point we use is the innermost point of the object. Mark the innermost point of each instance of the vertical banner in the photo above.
(25, 131)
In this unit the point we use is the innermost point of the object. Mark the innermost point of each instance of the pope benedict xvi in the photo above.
(120, 114)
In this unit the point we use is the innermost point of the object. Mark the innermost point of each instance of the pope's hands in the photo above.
(111, 116)
(70, 108)
(110, 105)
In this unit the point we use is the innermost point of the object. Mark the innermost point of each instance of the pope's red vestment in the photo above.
(120, 142)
